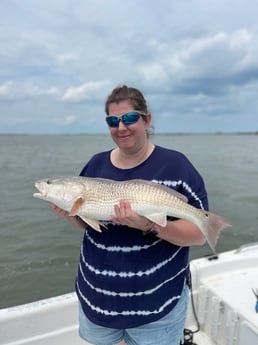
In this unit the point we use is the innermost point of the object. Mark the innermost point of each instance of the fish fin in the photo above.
(157, 218)
(92, 223)
(76, 205)
(214, 226)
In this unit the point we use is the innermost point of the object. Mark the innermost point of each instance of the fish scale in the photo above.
(93, 199)
(142, 198)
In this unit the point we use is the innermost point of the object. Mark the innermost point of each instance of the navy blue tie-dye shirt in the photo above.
(126, 279)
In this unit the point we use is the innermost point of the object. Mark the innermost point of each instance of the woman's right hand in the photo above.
(59, 211)
(65, 214)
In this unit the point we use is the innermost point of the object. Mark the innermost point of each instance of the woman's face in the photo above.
(131, 137)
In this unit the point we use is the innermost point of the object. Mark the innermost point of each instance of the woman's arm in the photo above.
(180, 232)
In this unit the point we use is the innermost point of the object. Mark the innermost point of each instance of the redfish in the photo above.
(93, 200)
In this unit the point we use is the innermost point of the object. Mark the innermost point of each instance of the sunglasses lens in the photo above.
(130, 118)
(112, 121)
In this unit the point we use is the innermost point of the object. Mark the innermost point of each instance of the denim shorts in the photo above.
(165, 331)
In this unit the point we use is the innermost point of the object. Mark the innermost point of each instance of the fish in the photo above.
(93, 200)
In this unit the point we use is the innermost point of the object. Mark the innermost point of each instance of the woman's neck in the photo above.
(129, 159)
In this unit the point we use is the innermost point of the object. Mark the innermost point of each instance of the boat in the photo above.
(223, 307)
(224, 301)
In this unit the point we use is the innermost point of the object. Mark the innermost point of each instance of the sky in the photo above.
(196, 62)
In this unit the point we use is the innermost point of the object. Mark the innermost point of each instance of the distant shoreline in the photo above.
(152, 134)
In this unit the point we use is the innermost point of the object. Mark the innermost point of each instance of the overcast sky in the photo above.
(196, 61)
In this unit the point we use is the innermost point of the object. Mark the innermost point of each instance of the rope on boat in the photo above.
(189, 334)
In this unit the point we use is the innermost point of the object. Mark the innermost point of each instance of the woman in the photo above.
(132, 288)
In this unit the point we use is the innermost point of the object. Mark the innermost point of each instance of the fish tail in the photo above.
(214, 226)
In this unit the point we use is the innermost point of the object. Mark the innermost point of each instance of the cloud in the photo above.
(67, 57)
(154, 72)
(5, 89)
(208, 64)
(86, 91)
(11, 90)
(60, 58)
(70, 119)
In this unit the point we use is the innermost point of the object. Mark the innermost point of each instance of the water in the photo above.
(39, 252)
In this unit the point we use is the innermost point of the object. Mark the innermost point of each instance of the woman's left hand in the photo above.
(126, 216)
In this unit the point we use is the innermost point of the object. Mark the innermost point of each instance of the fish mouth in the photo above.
(40, 195)
(37, 195)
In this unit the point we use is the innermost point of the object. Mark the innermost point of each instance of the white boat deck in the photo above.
(51, 321)
(224, 300)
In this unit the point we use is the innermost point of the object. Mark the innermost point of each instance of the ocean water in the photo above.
(39, 252)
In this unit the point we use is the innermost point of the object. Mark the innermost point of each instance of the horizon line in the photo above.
(151, 134)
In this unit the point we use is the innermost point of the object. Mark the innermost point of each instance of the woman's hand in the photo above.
(65, 214)
(59, 211)
(126, 216)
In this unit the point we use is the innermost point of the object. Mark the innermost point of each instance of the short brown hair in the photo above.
(129, 94)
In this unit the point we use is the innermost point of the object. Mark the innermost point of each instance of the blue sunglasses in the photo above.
(128, 119)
